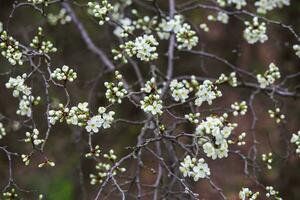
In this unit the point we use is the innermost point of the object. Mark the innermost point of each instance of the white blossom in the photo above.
(100, 10)
(296, 47)
(115, 92)
(239, 4)
(143, 47)
(263, 6)
(206, 92)
(269, 77)
(151, 103)
(239, 108)
(276, 115)
(62, 17)
(296, 140)
(64, 73)
(255, 31)
(42, 46)
(10, 49)
(2, 131)
(18, 85)
(212, 134)
(32, 137)
(191, 167)
(247, 194)
(180, 90)
(268, 159)
(271, 192)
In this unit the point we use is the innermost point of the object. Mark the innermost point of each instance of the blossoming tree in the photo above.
(185, 122)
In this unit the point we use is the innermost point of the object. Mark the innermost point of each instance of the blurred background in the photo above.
(67, 144)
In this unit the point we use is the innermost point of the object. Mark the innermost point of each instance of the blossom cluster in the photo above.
(206, 92)
(76, 115)
(115, 92)
(247, 194)
(104, 169)
(255, 31)
(64, 73)
(269, 77)
(268, 159)
(271, 192)
(10, 194)
(263, 6)
(33, 137)
(10, 49)
(151, 103)
(103, 120)
(62, 17)
(221, 17)
(143, 47)
(296, 140)
(40, 45)
(180, 90)
(239, 108)
(239, 4)
(276, 115)
(186, 37)
(20, 89)
(25, 104)
(212, 134)
(192, 117)
(2, 131)
(100, 10)
(231, 79)
(95, 152)
(126, 26)
(196, 169)
(241, 138)
(296, 47)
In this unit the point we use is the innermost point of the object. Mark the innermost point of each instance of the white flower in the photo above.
(239, 108)
(107, 119)
(231, 79)
(186, 37)
(100, 10)
(212, 134)
(206, 93)
(62, 17)
(94, 124)
(238, 3)
(263, 6)
(296, 47)
(115, 91)
(102, 120)
(64, 73)
(33, 137)
(180, 90)
(170, 25)
(247, 194)
(255, 31)
(2, 131)
(201, 170)
(145, 47)
(269, 77)
(126, 26)
(18, 86)
(151, 103)
(296, 140)
(191, 167)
